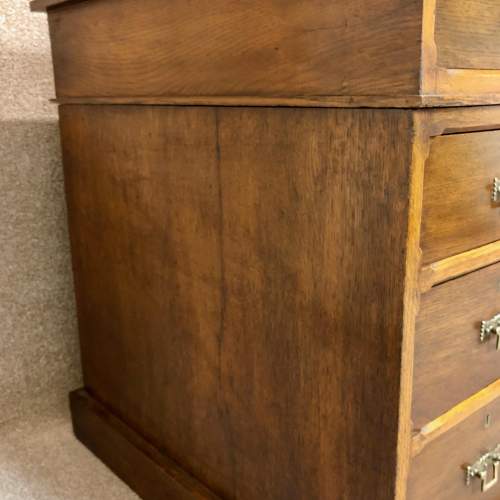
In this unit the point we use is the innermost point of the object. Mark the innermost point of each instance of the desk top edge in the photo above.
(389, 102)
(43, 5)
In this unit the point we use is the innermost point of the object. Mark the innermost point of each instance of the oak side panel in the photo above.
(458, 211)
(451, 364)
(467, 34)
(126, 48)
(240, 279)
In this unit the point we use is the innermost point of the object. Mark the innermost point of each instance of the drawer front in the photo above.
(451, 363)
(467, 34)
(458, 212)
(438, 471)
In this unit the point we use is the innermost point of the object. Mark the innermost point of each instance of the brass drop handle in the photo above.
(495, 193)
(487, 469)
(490, 328)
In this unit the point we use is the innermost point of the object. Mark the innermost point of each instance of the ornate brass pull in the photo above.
(489, 462)
(495, 194)
(489, 328)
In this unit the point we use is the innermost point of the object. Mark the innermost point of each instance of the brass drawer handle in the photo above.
(489, 328)
(495, 194)
(481, 470)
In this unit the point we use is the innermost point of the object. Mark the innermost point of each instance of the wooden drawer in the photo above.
(467, 34)
(438, 467)
(464, 57)
(458, 211)
(451, 364)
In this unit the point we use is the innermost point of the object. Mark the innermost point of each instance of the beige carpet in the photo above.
(39, 359)
(41, 460)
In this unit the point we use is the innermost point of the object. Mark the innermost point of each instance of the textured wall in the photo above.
(38, 345)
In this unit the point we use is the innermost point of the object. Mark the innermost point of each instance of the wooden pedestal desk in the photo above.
(285, 225)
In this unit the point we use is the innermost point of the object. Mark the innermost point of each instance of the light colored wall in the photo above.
(39, 360)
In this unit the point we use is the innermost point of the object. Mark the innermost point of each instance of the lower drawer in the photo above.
(451, 363)
(438, 471)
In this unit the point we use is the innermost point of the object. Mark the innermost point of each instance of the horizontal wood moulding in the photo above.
(128, 455)
(451, 442)
(404, 102)
(451, 419)
(458, 265)
(361, 53)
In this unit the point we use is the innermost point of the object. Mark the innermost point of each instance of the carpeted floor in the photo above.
(39, 361)
(41, 460)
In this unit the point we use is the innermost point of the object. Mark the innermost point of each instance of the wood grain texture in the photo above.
(458, 213)
(150, 474)
(460, 120)
(458, 265)
(373, 101)
(437, 471)
(380, 53)
(125, 48)
(450, 362)
(420, 151)
(467, 34)
(454, 417)
(463, 84)
(443, 21)
(228, 268)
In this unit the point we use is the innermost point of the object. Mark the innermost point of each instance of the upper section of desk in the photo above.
(377, 53)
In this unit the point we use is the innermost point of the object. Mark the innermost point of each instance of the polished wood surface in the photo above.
(148, 472)
(438, 470)
(450, 362)
(441, 24)
(460, 120)
(452, 418)
(216, 275)
(234, 48)
(458, 212)
(370, 101)
(248, 278)
(458, 265)
(467, 34)
(373, 53)
(419, 153)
